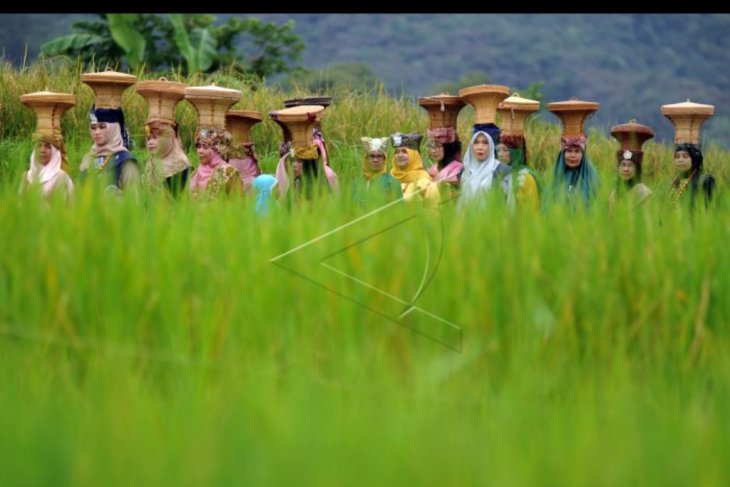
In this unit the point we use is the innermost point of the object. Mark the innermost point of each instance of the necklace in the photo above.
(682, 186)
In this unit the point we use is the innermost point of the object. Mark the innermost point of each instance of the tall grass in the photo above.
(155, 343)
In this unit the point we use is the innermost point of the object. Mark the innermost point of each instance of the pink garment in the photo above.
(248, 168)
(205, 171)
(282, 176)
(329, 172)
(449, 174)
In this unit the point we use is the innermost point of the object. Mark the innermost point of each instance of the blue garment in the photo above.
(263, 185)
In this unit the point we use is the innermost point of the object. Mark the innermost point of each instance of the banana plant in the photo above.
(121, 27)
(199, 47)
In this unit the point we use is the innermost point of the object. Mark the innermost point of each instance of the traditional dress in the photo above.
(111, 161)
(168, 166)
(216, 177)
(51, 177)
(631, 136)
(481, 175)
(416, 184)
(687, 118)
(374, 188)
(578, 184)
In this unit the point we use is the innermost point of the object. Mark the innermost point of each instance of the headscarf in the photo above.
(478, 175)
(413, 172)
(244, 159)
(38, 173)
(112, 115)
(584, 176)
(217, 139)
(170, 155)
(115, 141)
(202, 175)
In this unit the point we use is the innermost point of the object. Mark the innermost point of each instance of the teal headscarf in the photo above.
(583, 180)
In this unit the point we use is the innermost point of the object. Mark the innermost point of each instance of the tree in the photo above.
(157, 42)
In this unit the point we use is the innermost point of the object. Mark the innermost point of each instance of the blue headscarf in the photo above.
(263, 185)
(566, 180)
(490, 128)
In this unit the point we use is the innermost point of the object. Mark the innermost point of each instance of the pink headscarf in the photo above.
(44, 175)
(205, 171)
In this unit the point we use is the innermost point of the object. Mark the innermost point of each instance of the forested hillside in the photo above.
(632, 64)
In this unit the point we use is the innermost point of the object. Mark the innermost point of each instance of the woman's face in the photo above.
(682, 161)
(503, 153)
(401, 157)
(376, 159)
(573, 156)
(205, 153)
(480, 147)
(626, 170)
(436, 151)
(152, 143)
(99, 133)
(44, 151)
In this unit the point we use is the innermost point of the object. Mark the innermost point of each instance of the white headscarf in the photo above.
(38, 173)
(478, 175)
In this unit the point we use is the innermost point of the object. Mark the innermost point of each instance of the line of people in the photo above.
(494, 158)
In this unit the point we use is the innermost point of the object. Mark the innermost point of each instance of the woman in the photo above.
(690, 180)
(375, 185)
(168, 163)
(48, 159)
(687, 118)
(629, 187)
(109, 156)
(46, 163)
(415, 182)
(482, 170)
(628, 183)
(243, 158)
(214, 176)
(524, 184)
(574, 173)
(444, 148)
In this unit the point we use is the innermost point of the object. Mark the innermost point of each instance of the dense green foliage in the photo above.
(630, 63)
(153, 342)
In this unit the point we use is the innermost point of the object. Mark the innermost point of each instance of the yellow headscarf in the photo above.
(413, 172)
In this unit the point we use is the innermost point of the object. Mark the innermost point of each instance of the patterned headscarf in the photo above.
(217, 139)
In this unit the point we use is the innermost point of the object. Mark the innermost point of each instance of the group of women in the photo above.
(494, 162)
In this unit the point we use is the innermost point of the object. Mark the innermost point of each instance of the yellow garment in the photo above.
(414, 179)
(306, 151)
(527, 194)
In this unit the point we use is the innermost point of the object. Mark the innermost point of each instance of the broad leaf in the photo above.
(70, 44)
(121, 27)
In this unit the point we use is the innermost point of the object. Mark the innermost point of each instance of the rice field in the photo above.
(149, 342)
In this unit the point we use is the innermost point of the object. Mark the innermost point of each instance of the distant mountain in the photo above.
(630, 63)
